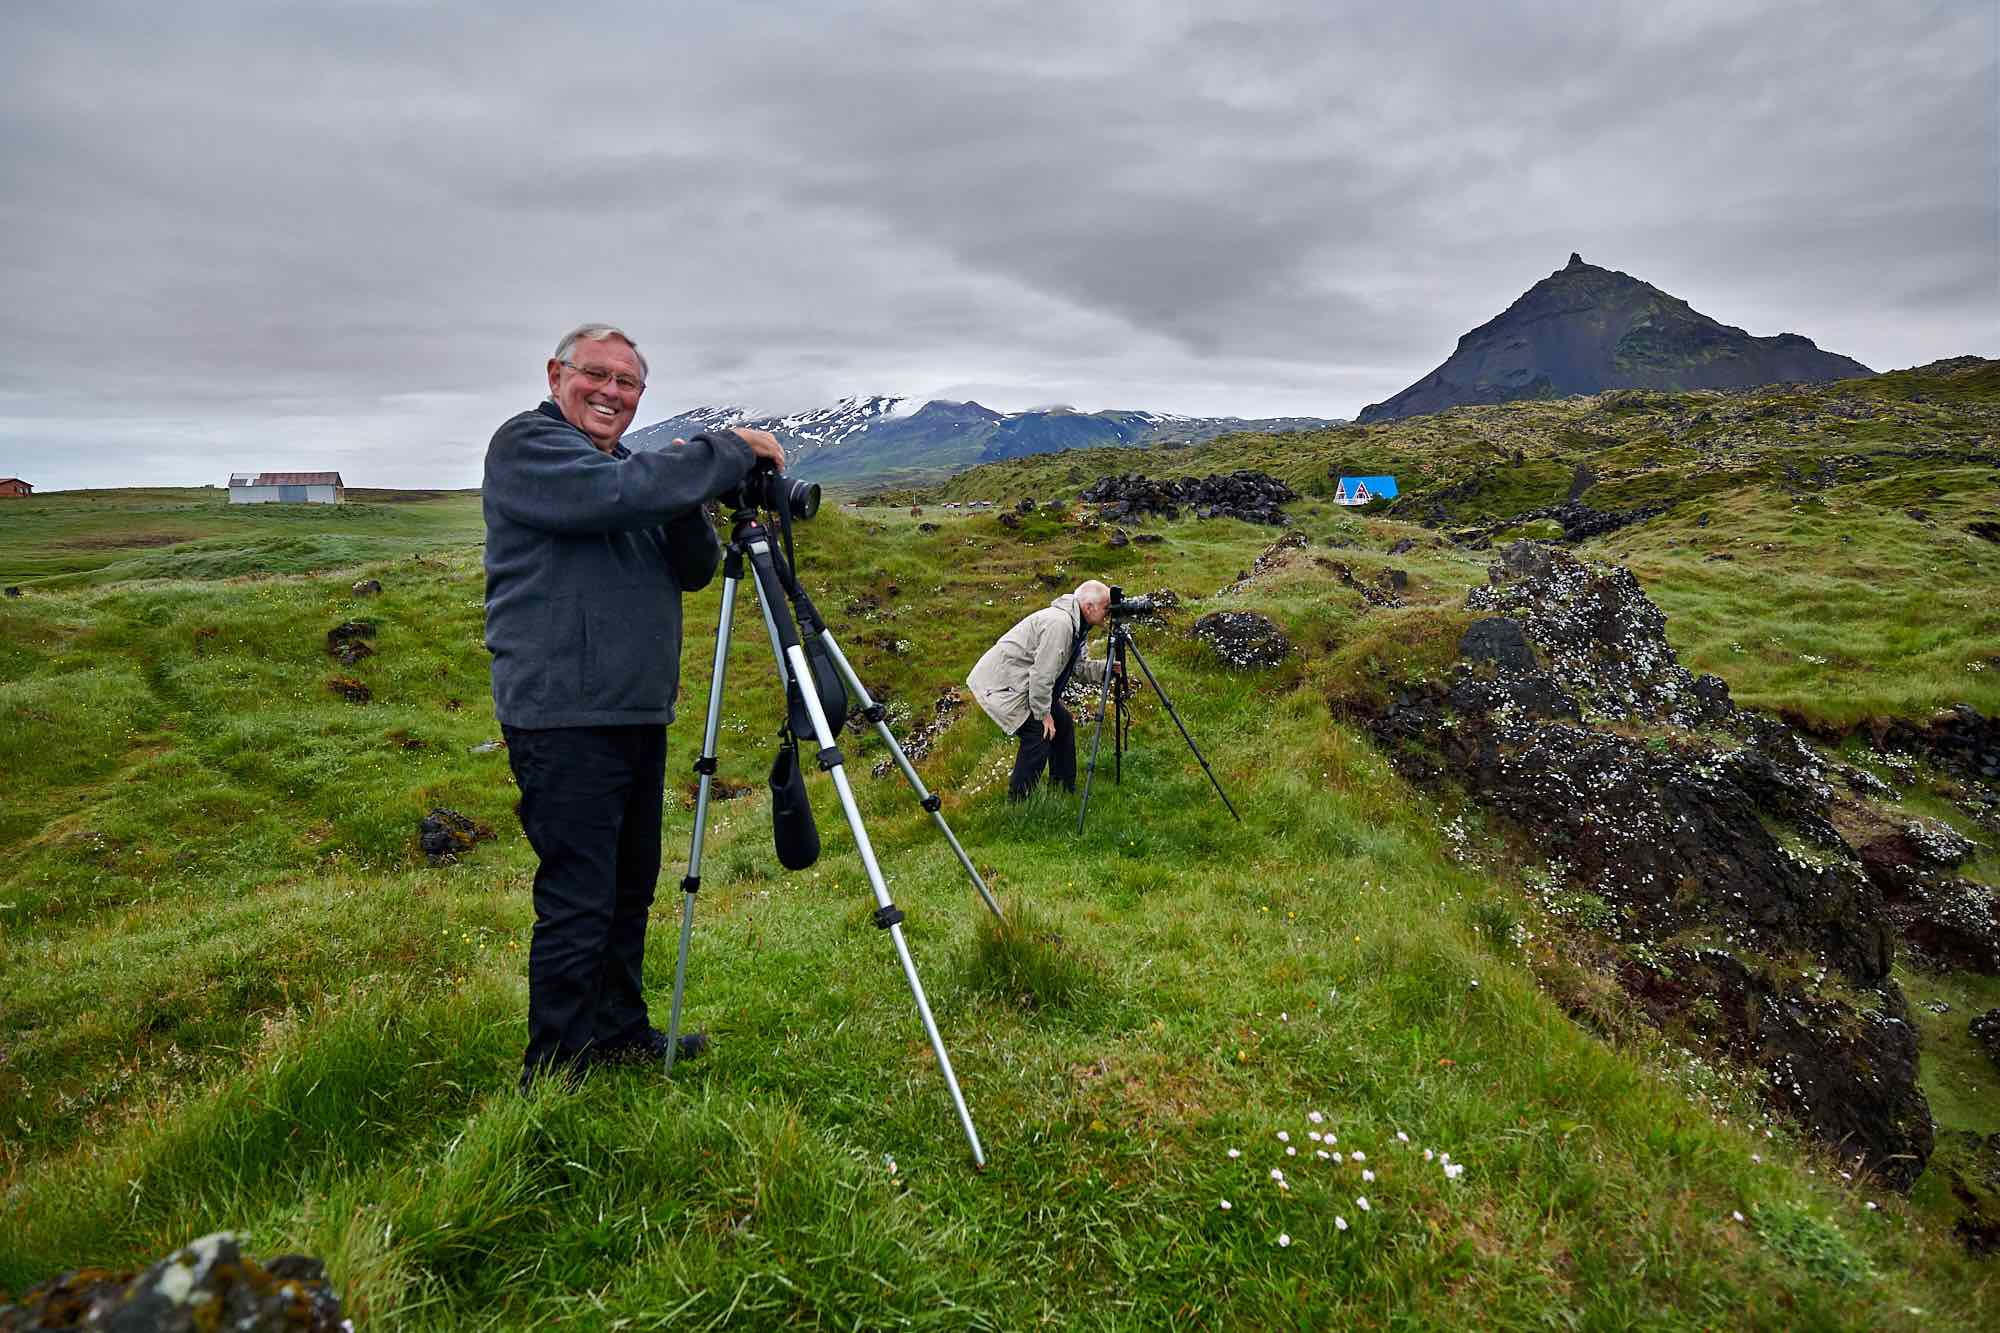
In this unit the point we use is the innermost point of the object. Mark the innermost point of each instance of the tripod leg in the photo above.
(1097, 733)
(706, 767)
(1184, 731)
(1120, 724)
(887, 917)
(876, 714)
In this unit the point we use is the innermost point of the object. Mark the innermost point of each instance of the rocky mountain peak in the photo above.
(1584, 329)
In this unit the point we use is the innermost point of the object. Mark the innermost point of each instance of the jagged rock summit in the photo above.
(1584, 329)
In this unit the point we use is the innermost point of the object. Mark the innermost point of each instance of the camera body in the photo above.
(765, 489)
(1123, 607)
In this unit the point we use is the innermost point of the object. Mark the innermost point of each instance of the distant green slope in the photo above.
(62, 538)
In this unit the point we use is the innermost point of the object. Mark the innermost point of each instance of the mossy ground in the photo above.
(237, 997)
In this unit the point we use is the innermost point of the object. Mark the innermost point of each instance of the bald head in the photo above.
(1093, 601)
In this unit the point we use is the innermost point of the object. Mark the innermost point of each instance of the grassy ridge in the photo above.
(78, 538)
(236, 996)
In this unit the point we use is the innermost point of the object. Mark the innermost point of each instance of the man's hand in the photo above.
(1049, 727)
(763, 444)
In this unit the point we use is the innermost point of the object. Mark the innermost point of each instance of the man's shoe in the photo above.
(650, 1049)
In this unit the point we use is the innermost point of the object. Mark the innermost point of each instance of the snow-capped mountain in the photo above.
(868, 438)
(802, 432)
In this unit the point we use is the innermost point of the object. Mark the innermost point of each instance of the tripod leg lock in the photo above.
(830, 758)
(886, 917)
(691, 884)
(875, 713)
(705, 765)
(932, 803)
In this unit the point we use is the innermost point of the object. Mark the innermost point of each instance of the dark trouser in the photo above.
(1037, 751)
(590, 805)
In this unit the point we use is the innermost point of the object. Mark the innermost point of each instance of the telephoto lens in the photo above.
(1123, 606)
(765, 489)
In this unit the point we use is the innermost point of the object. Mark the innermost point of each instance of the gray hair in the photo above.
(597, 333)
(1090, 590)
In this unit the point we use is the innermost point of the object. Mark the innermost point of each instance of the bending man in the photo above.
(1020, 680)
(589, 547)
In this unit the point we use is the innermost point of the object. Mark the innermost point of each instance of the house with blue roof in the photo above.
(1360, 490)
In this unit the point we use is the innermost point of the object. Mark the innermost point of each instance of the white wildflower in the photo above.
(1283, 1240)
(1284, 1136)
(1225, 1205)
(1368, 1176)
(1315, 1117)
(1339, 1222)
(1362, 1203)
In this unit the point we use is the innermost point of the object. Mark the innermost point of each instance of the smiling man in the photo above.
(589, 547)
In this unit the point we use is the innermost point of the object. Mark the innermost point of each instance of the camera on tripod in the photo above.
(1123, 607)
(765, 489)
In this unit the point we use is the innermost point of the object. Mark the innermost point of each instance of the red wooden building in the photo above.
(15, 486)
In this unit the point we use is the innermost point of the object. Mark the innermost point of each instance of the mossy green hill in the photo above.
(236, 996)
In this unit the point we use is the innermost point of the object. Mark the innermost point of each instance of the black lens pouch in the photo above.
(793, 832)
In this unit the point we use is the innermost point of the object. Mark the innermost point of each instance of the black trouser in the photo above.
(590, 805)
(1057, 754)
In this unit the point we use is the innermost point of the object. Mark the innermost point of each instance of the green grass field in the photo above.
(236, 996)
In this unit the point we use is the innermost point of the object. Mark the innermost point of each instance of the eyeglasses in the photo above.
(600, 377)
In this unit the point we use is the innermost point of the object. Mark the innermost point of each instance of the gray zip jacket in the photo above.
(1016, 679)
(587, 555)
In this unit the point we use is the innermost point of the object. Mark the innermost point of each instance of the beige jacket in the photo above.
(1016, 678)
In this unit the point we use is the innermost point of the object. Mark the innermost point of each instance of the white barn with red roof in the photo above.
(318, 488)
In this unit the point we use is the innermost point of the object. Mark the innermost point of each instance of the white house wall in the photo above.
(266, 495)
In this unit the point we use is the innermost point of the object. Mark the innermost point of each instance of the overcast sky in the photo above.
(266, 235)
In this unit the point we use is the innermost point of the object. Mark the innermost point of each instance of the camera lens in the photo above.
(803, 498)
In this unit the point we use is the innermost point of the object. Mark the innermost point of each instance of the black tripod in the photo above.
(750, 541)
(1114, 666)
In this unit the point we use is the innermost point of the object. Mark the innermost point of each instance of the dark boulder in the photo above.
(1985, 1030)
(205, 1285)
(1253, 497)
(1960, 738)
(1499, 640)
(446, 834)
(1674, 834)
(1118, 538)
(920, 742)
(1244, 638)
(367, 587)
(1947, 921)
(348, 641)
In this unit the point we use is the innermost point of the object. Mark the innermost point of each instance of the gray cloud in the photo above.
(245, 235)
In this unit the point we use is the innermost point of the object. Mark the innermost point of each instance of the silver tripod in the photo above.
(750, 543)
